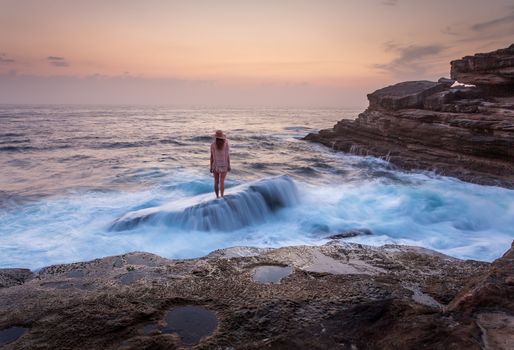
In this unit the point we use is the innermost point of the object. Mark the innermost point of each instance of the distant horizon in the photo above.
(192, 106)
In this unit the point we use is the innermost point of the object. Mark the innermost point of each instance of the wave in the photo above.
(463, 220)
(16, 148)
(6, 142)
(243, 206)
(297, 128)
(304, 170)
(132, 144)
(123, 144)
(202, 138)
(11, 134)
(172, 142)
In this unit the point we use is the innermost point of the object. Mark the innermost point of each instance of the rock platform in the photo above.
(336, 296)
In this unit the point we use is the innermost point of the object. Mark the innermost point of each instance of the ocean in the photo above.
(68, 173)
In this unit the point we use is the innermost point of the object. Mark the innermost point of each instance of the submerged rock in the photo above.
(340, 296)
(243, 205)
(351, 233)
(461, 131)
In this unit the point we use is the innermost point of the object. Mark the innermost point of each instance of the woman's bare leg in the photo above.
(222, 183)
(216, 186)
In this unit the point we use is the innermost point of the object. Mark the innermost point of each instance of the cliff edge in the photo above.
(461, 127)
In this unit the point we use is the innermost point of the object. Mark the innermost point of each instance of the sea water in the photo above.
(68, 173)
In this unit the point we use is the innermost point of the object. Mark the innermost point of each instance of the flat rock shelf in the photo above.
(339, 295)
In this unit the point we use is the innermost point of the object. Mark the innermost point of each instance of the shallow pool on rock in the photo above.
(131, 277)
(191, 323)
(11, 334)
(271, 273)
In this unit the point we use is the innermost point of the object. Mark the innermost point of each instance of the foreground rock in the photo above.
(330, 297)
(490, 299)
(455, 130)
(12, 277)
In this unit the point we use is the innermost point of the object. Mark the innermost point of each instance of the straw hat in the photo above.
(219, 135)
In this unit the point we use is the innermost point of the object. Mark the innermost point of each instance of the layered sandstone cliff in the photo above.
(463, 130)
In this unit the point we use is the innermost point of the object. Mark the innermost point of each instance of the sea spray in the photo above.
(460, 219)
(242, 206)
(59, 196)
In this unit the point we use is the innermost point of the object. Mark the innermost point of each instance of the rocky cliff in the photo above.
(336, 296)
(463, 130)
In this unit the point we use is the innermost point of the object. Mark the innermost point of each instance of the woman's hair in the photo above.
(220, 143)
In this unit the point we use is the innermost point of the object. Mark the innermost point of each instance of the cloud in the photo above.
(5, 60)
(491, 32)
(389, 2)
(410, 61)
(57, 61)
(494, 23)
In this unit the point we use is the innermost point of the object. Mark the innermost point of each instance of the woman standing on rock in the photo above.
(220, 162)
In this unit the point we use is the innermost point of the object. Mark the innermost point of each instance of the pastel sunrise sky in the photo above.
(236, 52)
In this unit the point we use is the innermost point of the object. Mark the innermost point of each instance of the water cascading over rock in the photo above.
(242, 206)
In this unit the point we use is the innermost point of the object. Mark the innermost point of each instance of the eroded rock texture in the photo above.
(337, 296)
(486, 69)
(456, 130)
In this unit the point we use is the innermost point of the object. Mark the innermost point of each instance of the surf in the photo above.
(242, 206)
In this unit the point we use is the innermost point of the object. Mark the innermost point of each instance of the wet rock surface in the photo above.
(12, 277)
(337, 296)
(271, 273)
(351, 233)
(455, 130)
(191, 323)
(11, 334)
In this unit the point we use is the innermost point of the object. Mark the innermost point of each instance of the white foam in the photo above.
(453, 217)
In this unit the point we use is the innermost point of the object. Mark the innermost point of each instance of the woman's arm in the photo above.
(228, 158)
(212, 161)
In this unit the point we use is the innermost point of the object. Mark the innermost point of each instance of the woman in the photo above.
(220, 162)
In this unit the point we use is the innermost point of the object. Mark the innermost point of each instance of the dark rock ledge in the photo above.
(336, 296)
(462, 131)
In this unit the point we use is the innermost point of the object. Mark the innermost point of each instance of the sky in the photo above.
(236, 52)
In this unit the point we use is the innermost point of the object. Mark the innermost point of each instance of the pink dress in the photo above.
(220, 158)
